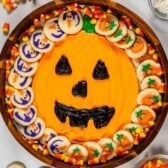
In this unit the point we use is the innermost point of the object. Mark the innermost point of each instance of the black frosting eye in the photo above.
(100, 71)
(63, 67)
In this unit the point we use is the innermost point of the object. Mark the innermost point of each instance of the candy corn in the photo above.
(6, 27)
(10, 5)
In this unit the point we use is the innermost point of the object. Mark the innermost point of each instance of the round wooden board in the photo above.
(118, 8)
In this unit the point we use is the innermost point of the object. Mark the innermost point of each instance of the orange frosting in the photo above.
(83, 50)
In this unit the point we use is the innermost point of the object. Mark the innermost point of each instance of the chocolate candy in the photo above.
(80, 117)
(63, 67)
(80, 89)
(100, 71)
(53, 31)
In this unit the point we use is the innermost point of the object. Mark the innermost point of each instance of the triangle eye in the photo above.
(100, 71)
(63, 67)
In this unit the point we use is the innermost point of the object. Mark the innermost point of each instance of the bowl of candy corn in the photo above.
(155, 161)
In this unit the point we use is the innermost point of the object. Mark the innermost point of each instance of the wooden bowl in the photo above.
(121, 10)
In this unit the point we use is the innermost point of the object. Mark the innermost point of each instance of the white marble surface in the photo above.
(10, 148)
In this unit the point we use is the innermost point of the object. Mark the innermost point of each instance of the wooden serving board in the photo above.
(118, 8)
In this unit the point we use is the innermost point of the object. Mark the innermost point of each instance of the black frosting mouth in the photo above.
(80, 117)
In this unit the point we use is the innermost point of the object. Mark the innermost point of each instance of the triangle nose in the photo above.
(80, 89)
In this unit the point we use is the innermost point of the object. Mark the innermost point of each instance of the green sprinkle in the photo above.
(129, 39)
(96, 153)
(118, 33)
(76, 150)
(109, 146)
(132, 129)
(112, 25)
(139, 113)
(151, 82)
(120, 137)
(146, 67)
(156, 98)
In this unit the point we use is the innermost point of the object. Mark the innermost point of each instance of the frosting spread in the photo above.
(50, 87)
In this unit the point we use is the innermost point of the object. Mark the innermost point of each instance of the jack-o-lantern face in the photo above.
(88, 85)
(80, 117)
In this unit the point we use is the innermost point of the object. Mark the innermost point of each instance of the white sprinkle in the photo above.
(162, 5)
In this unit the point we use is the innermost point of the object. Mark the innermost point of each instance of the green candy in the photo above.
(87, 25)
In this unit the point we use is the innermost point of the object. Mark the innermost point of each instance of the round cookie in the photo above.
(53, 31)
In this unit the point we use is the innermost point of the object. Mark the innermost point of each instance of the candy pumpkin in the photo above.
(69, 76)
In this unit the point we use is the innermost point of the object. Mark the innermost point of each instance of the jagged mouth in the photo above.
(79, 117)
